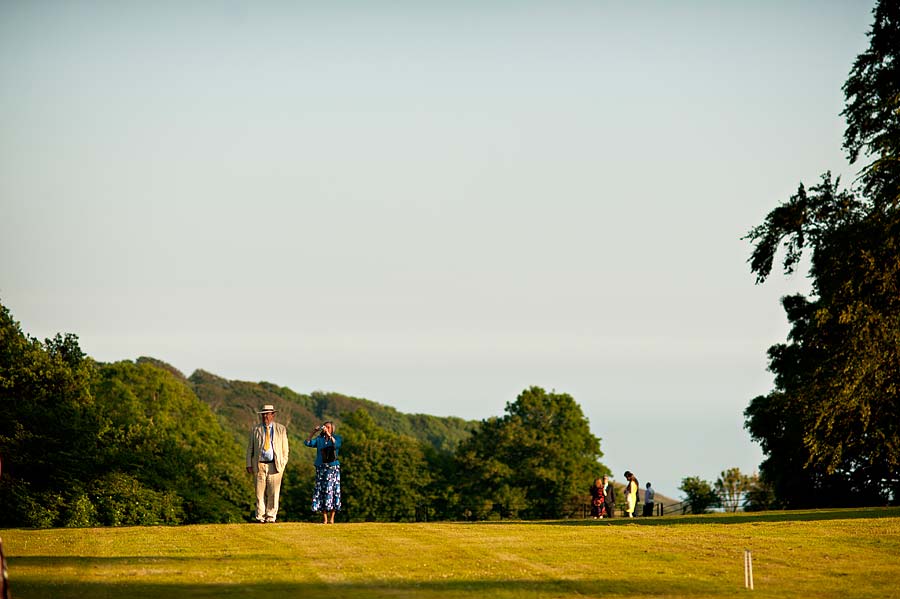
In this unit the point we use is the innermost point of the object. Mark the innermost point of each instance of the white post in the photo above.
(746, 572)
(750, 566)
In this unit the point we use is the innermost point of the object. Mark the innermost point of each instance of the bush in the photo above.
(79, 511)
(121, 500)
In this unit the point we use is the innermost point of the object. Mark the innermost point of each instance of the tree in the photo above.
(87, 444)
(699, 494)
(873, 107)
(830, 429)
(384, 474)
(48, 425)
(535, 462)
(731, 487)
(158, 432)
(759, 495)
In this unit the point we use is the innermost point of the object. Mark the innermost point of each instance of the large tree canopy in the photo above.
(831, 427)
(385, 474)
(535, 462)
(87, 444)
(873, 107)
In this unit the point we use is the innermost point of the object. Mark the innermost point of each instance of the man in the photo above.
(267, 455)
(610, 493)
(648, 500)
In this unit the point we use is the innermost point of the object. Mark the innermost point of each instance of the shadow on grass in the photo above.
(618, 587)
(56, 562)
(719, 518)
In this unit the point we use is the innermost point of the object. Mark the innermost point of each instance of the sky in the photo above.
(432, 205)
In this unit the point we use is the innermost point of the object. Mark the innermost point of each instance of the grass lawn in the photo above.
(824, 553)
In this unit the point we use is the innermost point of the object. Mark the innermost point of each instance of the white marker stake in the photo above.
(750, 567)
(746, 571)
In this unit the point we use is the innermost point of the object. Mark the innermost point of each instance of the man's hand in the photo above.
(249, 469)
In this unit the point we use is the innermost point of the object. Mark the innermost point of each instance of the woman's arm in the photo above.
(309, 440)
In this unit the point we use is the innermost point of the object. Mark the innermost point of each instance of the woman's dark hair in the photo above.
(637, 485)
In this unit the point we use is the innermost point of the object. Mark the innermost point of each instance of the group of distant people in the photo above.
(268, 451)
(603, 497)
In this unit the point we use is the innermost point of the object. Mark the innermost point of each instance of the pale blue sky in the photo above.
(432, 205)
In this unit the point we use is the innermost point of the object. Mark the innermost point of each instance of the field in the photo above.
(826, 553)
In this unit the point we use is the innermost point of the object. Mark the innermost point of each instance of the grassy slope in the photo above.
(830, 553)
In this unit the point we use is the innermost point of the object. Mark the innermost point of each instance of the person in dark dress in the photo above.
(598, 499)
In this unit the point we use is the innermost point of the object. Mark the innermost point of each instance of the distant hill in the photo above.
(235, 404)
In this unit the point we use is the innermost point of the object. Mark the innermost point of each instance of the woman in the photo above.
(327, 493)
(598, 499)
(631, 493)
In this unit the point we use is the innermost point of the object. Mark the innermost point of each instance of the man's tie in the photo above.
(268, 444)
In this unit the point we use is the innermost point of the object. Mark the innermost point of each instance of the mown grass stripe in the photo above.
(825, 553)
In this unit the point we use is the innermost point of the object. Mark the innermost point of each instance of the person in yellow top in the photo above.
(631, 493)
(267, 455)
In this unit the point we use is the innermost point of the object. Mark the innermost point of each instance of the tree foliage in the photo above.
(872, 110)
(157, 431)
(731, 486)
(130, 443)
(699, 494)
(830, 429)
(533, 462)
(45, 404)
(235, 404)
(86, 444)
(759, 495)
(384, 474)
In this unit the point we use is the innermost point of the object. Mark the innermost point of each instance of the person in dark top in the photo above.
(610, 497)
(649, 496)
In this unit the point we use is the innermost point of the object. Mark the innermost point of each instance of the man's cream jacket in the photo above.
(279, 444)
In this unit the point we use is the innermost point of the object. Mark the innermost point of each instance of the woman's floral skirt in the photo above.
(327, 494)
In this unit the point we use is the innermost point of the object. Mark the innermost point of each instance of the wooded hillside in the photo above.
(86, 443)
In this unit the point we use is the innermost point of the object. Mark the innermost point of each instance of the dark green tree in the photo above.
(444, 499)
(384, 475)
(699, 494)
(87, 444)
(759, 495)
(157, 431)
(537, 461)
(48, 426)
(872, 109)
(830, 429)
